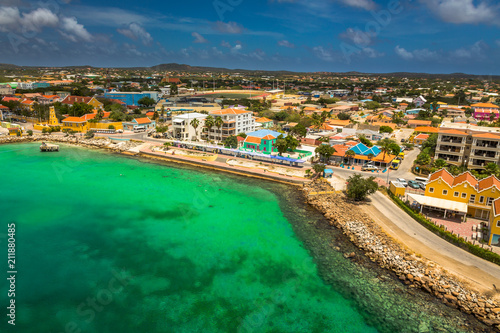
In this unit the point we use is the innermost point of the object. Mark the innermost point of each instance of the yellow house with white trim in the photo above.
(479, 195)
(495, 224)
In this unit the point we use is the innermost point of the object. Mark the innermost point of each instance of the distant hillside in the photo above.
(174, 67)
(187, 68)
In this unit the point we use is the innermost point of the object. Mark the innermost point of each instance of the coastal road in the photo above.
(473, 270)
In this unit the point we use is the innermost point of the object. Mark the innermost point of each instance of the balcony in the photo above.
(450, 149)
(486, 144)
(485, 154)
(449, 158)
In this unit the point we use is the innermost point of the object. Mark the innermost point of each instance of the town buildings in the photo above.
(235, 121)
(183, 129)
(132, 98)
(474, 146)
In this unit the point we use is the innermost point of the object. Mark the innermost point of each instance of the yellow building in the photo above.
(495, 224)
(478, 195)
(53, 121)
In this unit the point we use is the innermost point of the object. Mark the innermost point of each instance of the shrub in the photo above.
(111, 127)
(30, 132)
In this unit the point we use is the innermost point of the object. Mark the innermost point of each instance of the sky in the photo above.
(432, 36)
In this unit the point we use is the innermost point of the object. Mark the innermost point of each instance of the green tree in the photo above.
(281, 144)
(423, 159)
(492, 169)
(218, 123)
(89, 134)
(231, 142)
(111, 127)
(209, 123)
(359, 188)
(292, 143)
(325, 152)
(343, 116)
(146, 101)
(430, 143)
(318, 168)
(365, 141)
(439, 163)
(299, 130)
(195, 123)
(350, 155)
(385, 129)
(242, 135)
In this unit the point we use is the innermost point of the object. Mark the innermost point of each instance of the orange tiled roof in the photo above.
(252, 139)
(419, 122)
(496, 206)
(229, 111)
(485, 105)
(487, 136)
(426, 129)
(465, 177)
(444, 174)
(263, 120)
(452, 131)
(488, 182)
(338, 122)
(269, 137)
(73, 120)
(422, 136)
(143, 120)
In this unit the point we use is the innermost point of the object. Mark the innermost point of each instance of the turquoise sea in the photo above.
(106, 243)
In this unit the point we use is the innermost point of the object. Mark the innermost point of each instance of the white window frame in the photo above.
(456, 194)
(464, 195)
(445, 192)
(481, 199)
(431, 189)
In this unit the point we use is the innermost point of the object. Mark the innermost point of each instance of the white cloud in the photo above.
(464, 11)
(403, 53)
(363, 4)
(474, 51)
(258, 54)
(228, 28)
(236, 48)
(286, 43)
(198, 38)
(12, 20)
(74, 30)
(134, 31)
(225, 44)
(356, 36)
(323, 54)
(371, 53)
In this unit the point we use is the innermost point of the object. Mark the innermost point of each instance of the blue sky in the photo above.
(434, 36)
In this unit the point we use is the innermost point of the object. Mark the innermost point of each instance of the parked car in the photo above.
(402, 181)
(369, 167)
(422, 185)
(413, 184)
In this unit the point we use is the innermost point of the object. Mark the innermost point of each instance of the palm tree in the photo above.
(218, 123)
(209, 123)
(370, 156)
(350, 154)
(195, 123)
(384, 147)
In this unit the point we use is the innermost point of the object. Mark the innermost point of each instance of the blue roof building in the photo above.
(131, 98)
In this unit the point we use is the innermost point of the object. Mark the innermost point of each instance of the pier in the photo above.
(48, 147)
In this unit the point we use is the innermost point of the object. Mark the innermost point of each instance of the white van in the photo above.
(422, 180)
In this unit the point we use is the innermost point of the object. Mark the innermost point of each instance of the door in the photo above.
(482, 214)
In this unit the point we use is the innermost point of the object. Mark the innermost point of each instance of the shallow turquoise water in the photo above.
(194, 251)
(113, 244)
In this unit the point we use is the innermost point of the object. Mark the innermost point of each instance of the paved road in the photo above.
(454, 259)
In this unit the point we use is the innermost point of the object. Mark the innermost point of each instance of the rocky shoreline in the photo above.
(381, 249)
(96, 143)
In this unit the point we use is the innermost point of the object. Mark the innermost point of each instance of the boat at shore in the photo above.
(45, 147)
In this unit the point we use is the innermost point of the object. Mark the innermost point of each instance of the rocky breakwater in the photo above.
(99, 143)
(413, 271)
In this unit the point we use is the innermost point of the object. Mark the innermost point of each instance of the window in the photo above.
(455, 194)
(472, 198)
(498, 223)
(481, 199)
(431, 189)
(489, 201)
(464, 195)
(445, 192)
